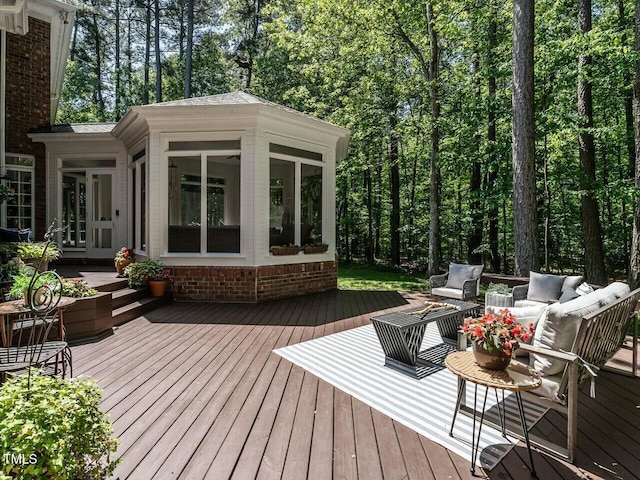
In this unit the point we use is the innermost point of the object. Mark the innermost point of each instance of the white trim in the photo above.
(3, 104)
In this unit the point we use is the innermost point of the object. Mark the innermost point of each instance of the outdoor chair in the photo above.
(573, 341)
(461, 282)
(28, 344)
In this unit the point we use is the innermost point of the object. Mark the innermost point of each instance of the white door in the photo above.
(100, 212)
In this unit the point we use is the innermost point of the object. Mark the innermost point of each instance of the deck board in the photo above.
(195, 391)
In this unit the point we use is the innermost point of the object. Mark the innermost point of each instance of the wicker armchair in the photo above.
(461, 282)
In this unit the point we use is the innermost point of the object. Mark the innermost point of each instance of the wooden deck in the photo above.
(194, 391)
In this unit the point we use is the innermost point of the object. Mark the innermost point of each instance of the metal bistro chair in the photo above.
(26, 337)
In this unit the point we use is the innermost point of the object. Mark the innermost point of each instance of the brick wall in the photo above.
(251, 284)
(28, 102)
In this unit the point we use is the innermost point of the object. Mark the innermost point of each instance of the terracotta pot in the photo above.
(121, 265)
(157, 287)
(492, 360)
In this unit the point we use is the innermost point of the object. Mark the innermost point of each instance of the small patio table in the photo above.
(516, 378)
(401, 334)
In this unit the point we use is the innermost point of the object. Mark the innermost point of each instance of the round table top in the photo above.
(18, 306)
(517, 377)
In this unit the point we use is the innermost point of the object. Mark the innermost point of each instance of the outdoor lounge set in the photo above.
(577, 330)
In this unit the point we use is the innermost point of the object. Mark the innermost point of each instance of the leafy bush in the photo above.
(499, 288)
(139, 272)
(54, 429)
(31, 250)
(77, 289)
(22, 280)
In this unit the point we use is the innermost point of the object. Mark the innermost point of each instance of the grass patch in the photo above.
(361, 277)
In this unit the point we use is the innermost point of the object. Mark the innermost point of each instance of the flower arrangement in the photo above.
(497, 331)
(162, 274)
(77, 289)
(126, 253)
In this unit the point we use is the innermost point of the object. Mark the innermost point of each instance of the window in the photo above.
(295, 194)
(19, 205)
(139, 200)
(74, 215)
(204, 202)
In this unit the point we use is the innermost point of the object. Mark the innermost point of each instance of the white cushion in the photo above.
(447, 292)
(584, 288)
(545, 287)
(557, 329)
(458, 274)
(613, 292)
(549, 388)
(529, 303)
(571, 282)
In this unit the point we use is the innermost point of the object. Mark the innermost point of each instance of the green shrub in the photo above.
(139, 272)
(499, 288)
(34, 250)
(54, 429)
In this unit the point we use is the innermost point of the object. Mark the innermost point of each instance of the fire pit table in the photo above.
(401, 334)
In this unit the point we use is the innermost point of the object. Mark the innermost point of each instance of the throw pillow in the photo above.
(458, 274)
(571, 282)
(568, 294)
(545, 287)
(583, 289)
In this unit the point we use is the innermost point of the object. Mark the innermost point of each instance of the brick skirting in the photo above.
(253, 284)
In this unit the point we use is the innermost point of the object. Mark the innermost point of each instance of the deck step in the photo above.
(112, 285)
(139, 307)
(126, 295)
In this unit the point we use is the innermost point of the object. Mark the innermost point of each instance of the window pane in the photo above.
(281, 208)
(223, 204)
(19, 204)
(202, 145)
(19, 160)
(184, 204)
(311, 204)
(294, 152)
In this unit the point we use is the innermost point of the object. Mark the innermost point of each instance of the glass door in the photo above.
(100, 231)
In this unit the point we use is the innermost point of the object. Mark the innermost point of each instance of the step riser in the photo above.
(131, 311)
(121, 299)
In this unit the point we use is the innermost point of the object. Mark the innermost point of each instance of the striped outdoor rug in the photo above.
(353, 361)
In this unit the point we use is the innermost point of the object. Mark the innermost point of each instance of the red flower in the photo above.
(500, 331)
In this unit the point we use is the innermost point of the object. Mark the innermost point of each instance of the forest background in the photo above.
(426, 90)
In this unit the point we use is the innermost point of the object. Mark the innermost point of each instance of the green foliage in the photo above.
(139, 272)
(498, 288)
(22, 281)
(77, 289)
(35, 250)
(54, 429)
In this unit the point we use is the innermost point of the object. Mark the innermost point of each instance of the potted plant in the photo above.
(158, 282)
(139, 273)
(22, 281)
(34, 254)
(495, 336)
(123, 258)
(498, 295)
(53, 428)
(77, 289)
(315, 248)
(289, 249)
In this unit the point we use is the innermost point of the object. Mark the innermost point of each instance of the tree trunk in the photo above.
(189, 52)
(493, 211)
(117, 93)
(412, 209)
(394, 223)
(475, 190)
(434, 171)
(147, 53)
(378, 210)
(98, 69)
(628, 98)
(594, 270)
(157, 51)
(523, 144)
(369, 250)
(634, 266)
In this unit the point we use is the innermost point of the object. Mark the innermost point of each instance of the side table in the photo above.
(516, 378)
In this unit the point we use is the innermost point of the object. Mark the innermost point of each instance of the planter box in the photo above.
(285, 250)
(310, 249)
(89, 317)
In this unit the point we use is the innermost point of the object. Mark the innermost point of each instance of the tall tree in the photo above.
(591, 229)
(434, 167)
(524, 173)
(634, 267)
(117, 70)
(394, 190)
(492, 175)
(189, 50)
(156, 36)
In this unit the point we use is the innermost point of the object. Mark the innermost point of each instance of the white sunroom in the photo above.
(205, 185)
